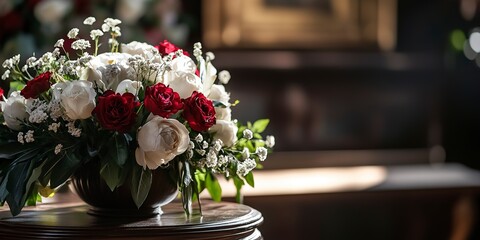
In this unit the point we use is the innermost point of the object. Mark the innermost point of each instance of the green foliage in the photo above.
(260, 125)
(140, 185)
(213, 187)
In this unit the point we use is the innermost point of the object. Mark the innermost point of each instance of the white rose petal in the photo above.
(107, 70)
(159, 141)
(128, 85)
(76, 97)
(208, 78)
(223, 113)
(185, 84)
(15, 111)
(218, 93)
(225, 131)
(139, 48)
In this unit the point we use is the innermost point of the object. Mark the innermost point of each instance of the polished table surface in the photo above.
(222, 220)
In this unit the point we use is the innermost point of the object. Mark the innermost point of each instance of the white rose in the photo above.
(223, 113)
(225, 131)
(179, 66)
(76, 97)
(218, 93)
(128, 85)
(185, 84)
(209, 78)
(15, 111)
(107, 70)
(143, 49)
(159, 141)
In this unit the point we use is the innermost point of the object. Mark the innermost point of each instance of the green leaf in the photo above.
(200, 180)
(32, 197)
(3, 188)
(260, 125)
(12, 149)
(118, 149)
(187, 196)
(141, 183)
(213, 187)
(218, 104)
(64, 169)
(238, 182)
(17, 186)
(249, 179)
(110, 172)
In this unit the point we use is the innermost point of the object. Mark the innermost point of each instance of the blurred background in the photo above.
(374, 103)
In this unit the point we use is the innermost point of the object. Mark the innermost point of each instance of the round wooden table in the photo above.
(222, 220)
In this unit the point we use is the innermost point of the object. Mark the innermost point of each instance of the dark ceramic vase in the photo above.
(92, 189)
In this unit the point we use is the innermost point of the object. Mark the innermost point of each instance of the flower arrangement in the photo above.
(134, 107)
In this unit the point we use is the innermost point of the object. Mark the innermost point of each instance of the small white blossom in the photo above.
(105, 27)
(58, 148)
(110, 25)
(37, 116)
(59, 43)
(11, 62)
(248, 134)
(95, 33)
(245, 153)
(89, 20)
(112, 22)
(53, 127)
(224, 76)
(222, 160)
(201, 152)
(270, 141)
(55, 109)
(16, 59)
(81, 44)
(31, 61)
(211, 159)
(56, 52)
(113, 42)
(29, 136)
(199, 138)
(20, 138)
(210, 56)
(191, 145)
(6, 74)
(217, 145)
(76, 132)
(73, 33)
(261, 153)
(204, 144)
(116, 31)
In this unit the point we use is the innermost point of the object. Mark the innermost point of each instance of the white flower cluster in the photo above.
(25, 137)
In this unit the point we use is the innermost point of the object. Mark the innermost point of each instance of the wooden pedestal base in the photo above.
(61, 221)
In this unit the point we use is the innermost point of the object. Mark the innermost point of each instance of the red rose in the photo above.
(1, 94)
(162, 100)
(199, 112)
(166, 47)
(37, 86)
(116, 112)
